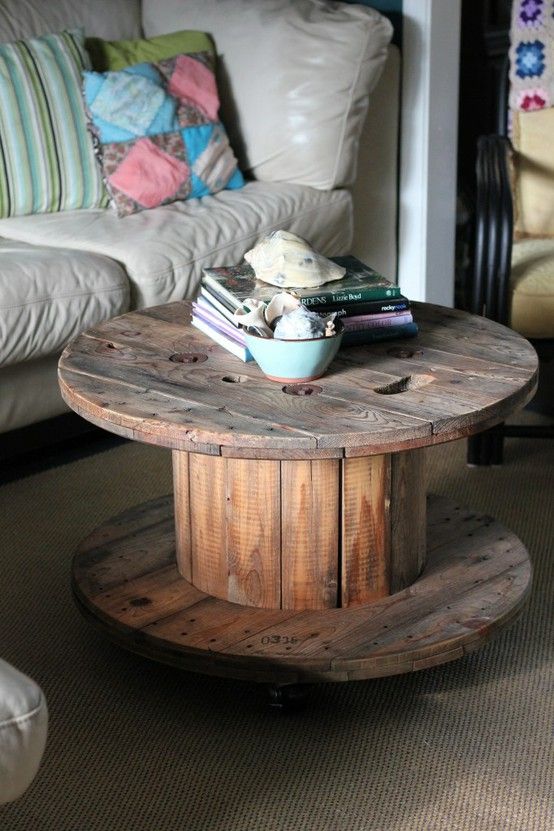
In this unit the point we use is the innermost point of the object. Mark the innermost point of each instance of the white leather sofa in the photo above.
(23, 730)
(295, 81)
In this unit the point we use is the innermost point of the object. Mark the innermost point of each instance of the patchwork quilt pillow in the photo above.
(158, 132)
(46, 156)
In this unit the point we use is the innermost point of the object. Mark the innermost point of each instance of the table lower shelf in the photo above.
(475, 582)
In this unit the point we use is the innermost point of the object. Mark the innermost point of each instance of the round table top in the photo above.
(151, 376)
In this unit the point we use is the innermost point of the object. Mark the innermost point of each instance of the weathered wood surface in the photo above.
(232, 528)
(460, 375)
(366, 532)
(310, 529)
(408, 517)
(300, 533)
(475, 582)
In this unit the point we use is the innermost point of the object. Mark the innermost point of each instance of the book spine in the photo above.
(227, 343)
(347, 298)
(208, 299)
(218, 322)
(371, 307)
(408, 330)
(220, 291)
(355, 324)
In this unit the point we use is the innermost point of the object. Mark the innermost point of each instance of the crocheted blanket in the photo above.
(532, 55)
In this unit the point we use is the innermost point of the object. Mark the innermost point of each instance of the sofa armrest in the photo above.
(493, 228)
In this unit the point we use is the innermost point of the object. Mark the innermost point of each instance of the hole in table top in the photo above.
(140, 601)
(188, 358)
(408, 382)
(234, 379)
(302, 389)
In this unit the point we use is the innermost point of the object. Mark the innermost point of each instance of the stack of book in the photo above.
(369, 306)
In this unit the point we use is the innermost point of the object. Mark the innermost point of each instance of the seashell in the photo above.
(301, 324)
(255, 318)
(279, 305)
(284, 259)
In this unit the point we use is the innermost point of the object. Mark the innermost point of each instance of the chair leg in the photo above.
(497, 448)
(485, 448)
(474, 450)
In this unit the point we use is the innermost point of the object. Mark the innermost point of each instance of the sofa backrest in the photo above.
(283, 128)
(111, 19)
(294, 79)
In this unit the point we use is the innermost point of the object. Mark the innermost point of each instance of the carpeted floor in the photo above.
(137, 746)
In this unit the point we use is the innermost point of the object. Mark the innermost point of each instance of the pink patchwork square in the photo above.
(148, 175)
(193, 81)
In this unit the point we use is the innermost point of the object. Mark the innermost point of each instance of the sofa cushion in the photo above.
(20, 404)
(49, 295)
(158, 131)
(23, 729)
(109, 56)
(164, 250)
(48, 159)
(532, 288)
(298, 116)
(101, 18)
(534, 173)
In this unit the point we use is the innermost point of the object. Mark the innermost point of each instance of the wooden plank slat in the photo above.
(208, 513)
(365, 530)
(408, 518)
(309, 542)
(254, 532)
(183, 530)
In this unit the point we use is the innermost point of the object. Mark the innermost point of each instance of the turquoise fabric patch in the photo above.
(129, 102)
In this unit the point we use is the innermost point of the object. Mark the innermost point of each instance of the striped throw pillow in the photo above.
(47, 160)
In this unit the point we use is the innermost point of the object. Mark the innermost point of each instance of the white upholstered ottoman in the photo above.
(23, 729)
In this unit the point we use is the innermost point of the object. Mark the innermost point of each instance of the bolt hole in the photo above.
(302, 389)
(188, 358)
(408, 382)
(234, 379)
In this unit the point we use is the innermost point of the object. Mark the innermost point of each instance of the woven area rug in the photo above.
(138, 746)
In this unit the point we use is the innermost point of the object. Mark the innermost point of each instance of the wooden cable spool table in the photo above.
(299, 544)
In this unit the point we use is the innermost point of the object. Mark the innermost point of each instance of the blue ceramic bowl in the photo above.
(296, 361)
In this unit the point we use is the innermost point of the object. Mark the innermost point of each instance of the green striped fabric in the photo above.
(47, 160)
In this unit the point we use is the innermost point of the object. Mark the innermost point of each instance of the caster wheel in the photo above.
(289, 697)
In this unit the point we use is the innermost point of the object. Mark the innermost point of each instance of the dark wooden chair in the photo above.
(490, 292)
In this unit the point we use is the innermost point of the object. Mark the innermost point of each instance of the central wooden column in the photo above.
(300, 534)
